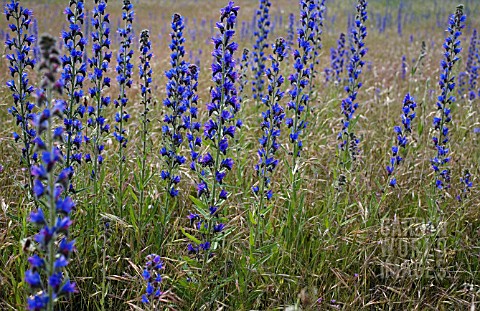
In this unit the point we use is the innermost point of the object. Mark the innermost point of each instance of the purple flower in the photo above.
(273, 117)
(408, 114)
(258, 54)
(73, 74)
(124, 76)
(219, 130)
(243, 78)
(152, 276)
(443, 117)
(51, 186)
(178, 84)
(99, 65)
(19, 46)
(337, 59)
(349, 142)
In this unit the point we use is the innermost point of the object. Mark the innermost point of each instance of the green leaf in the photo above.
(200, 207)
(191, 237)
(251, 218)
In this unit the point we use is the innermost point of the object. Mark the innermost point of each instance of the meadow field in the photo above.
(256, 155)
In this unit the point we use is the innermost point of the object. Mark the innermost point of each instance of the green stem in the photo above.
(217, 157)
(51, 208)
(144, 156)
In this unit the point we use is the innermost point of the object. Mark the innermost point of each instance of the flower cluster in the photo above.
(73, 76)
(36, 48)
(300, 79)
(190, 119)
(291, 31)
(19, 60)
(472, 66)
(359, 32)
(337, 58)
(124, 78)
(408, 114)
(219, 129)
(50, 189)
(124, 75)
(318, 18)
(99, 64)
(151, 274)
(243, 79)
(272, 121)
(259, 57)
(145, 73)
(443, 117)
(176, 107)
(467, 183)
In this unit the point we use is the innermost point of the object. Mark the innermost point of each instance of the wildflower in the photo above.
(152, 276)
(337, 58)
(19, 60)
(49, 189)
(291, 31)
(219, 129)
(354, 69)
(317, 17)
(399, 18)
(99, 65)
(259, 58)
(462, 82)
(190, 119)
(443, 117)
(124, 79)
(467, 183)
(272, 120)
(173, 128)
(408, 114)
(73, 75)
(300, 79)
(145, 73)
(472, 66)
(242, 79)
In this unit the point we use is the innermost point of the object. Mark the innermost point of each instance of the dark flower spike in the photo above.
(354, 69)
(259, 58)
(273, 117)
(46, 274)
(243, 79)
(73, 75)
(124, 75)
(291, 32)
(190, 119)
(402, 134)
(98, 64)
(337, 59)
(124, 78)
(145, 73)
(318, 18)
(472, 66)
(19, 57)
(299, 80)
(173, 129)
(441, 138)
(219, 130)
